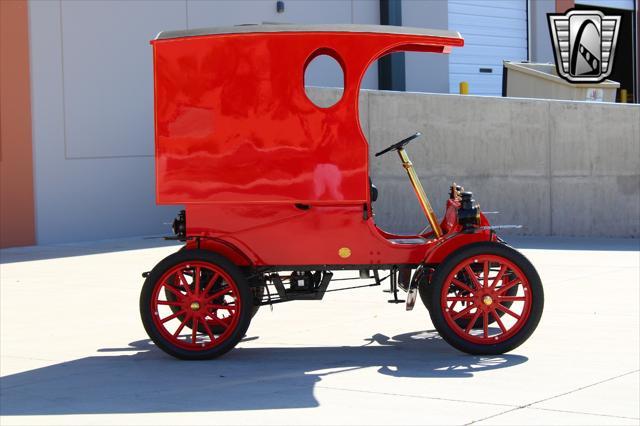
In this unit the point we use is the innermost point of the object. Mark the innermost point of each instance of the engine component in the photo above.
(303, 281)
(469, 211)
(455, 191)
(179, 226)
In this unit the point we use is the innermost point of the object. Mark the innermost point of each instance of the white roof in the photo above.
(283, 28)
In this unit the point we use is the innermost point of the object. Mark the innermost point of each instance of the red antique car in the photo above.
(277, 195)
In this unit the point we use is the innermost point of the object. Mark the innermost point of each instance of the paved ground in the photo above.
(73, 350)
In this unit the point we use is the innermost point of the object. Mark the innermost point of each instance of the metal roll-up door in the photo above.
(493, 32)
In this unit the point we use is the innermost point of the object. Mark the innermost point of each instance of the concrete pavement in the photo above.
(73, 350)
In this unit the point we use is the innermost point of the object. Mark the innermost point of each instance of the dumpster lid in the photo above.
(277, 28)
(548, 72)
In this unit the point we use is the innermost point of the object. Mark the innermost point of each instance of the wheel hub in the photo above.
(487, 300)
(195, 306)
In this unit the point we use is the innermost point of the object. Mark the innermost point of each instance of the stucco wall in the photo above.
(92, 100)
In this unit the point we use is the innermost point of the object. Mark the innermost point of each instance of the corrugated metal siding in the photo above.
(493, 31)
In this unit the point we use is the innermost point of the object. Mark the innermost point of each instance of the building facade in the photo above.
(77, 92)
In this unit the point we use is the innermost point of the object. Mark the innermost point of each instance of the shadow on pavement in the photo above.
(147, 380)
(55, 251)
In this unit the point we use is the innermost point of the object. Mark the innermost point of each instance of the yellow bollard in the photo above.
(464, 88)
(623, 96)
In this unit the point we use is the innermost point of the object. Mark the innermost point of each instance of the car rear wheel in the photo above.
(210, 308)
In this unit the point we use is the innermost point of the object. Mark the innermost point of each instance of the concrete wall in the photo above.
(557, 167)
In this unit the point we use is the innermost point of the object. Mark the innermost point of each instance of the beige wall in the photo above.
(16, 161)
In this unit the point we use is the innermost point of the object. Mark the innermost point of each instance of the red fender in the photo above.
(452, 242)
(223, 248)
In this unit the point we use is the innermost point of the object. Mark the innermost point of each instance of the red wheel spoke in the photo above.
(462, 285)
(176, 315)
(507, 311)
(217, 294)
(184, 283)
(485, 320)
(460, 298)
(174, 290)
(463, 312)
(205, 324)
(184, 322)
(512, 298)
(507, 286)
(472, 275)
(503, 269)
(485, 271)
(218, 321)
(210, 283)
(169, 303)
(196, 282)
(472, 322)
(498, 320)
(194, 329)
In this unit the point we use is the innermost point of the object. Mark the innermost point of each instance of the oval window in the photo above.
(324, 81)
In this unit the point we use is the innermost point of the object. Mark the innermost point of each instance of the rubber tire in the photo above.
(443, 270)
(201, 255)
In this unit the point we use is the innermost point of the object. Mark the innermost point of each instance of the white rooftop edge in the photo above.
(288, 28)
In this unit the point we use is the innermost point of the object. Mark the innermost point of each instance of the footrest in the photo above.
(408, 240)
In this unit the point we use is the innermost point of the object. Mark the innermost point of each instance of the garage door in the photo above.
(493, 32)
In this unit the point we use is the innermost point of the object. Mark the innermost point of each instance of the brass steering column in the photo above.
(419, 190)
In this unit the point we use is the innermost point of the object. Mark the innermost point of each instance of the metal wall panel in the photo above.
(493, 31)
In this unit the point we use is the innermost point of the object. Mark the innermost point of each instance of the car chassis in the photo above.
(277, 194)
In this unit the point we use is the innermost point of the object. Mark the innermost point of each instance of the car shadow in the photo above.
(57, 251)
(142, 379)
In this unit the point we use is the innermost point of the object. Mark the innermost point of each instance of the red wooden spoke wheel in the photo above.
(196, 305)
(486, 298)
(205, 296)
(460, 295)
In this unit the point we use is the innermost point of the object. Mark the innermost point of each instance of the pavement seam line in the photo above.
(583, 412)
(555, 396)
(417, 396)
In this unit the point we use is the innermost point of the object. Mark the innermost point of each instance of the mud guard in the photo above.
(452, 242)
